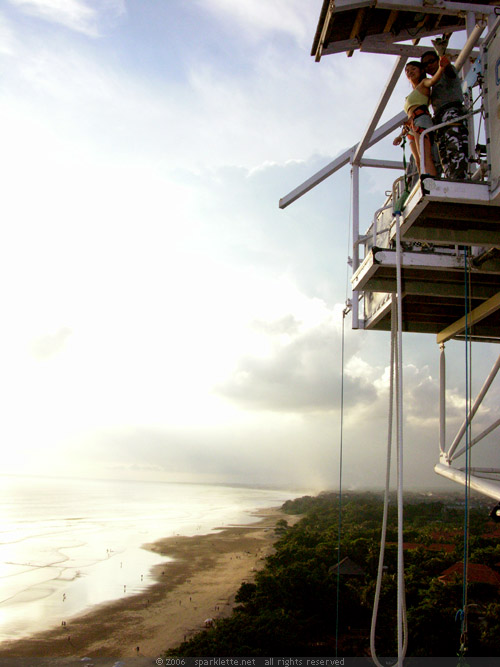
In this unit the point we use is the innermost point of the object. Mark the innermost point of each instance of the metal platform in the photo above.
(451, 212)
(430, 314)
(428, 273)
(433, 269)
(433, 291)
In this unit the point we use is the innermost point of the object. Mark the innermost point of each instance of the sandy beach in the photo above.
(200, 583)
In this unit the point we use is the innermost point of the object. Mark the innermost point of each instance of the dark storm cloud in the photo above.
(301, 375)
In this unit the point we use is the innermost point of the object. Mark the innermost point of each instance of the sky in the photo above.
(162, 318)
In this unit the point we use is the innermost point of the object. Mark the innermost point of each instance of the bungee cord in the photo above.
(395, 389)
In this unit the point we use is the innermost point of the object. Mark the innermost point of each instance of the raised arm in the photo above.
(428, 83)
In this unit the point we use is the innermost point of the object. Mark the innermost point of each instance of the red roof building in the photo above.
(436, 546)
(477, 573)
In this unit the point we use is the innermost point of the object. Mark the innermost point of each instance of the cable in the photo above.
(340, 483)
(383, 532)
(463, 614)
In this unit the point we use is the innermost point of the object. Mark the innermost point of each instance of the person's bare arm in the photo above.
(428, 83)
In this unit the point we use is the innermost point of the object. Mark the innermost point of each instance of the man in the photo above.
(447, 103)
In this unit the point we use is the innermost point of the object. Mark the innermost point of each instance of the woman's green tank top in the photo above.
(415, 99)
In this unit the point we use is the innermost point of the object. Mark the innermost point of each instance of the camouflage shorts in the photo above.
(453, 143)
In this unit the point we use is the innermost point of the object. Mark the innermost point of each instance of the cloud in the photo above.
(256, 19)
(48, 346)
(8, 41)
(252, 107)
(76, 15)
(299, 371)
(215, 111)
(277, 452)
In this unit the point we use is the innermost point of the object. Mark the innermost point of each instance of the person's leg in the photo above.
(453, 146)
(421, 123)
(430, 167)
(414, 150)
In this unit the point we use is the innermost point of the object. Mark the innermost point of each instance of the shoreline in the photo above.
(199, 583)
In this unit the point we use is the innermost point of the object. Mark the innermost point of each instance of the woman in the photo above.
(417, 107)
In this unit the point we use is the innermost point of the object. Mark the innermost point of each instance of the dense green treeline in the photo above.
(291, 609)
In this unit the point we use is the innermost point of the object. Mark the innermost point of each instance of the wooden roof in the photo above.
(347, 567)
(347, 25)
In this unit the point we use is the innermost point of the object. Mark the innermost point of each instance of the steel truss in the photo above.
(380, 256)
(484, 480)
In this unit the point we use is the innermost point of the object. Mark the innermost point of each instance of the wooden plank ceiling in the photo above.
(345, 27)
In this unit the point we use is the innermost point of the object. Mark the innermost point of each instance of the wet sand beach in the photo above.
(200, 583)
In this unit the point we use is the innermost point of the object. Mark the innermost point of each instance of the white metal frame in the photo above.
(484, 480)
(477, 15)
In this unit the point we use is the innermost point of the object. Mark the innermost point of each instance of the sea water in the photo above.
(69, 544)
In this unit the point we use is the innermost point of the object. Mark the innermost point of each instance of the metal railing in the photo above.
(438, 127)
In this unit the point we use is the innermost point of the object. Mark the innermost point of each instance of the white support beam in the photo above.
(384, 98)
(478, 438)
(355, 239)
(474, 409)
(381, 164)
(474, 31)
(317, 178)
(487, 487)
(341, 161)
(442, 398)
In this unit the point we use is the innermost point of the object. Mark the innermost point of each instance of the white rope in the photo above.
(395, 387)
(402, 623)
(395, 369)
(383, 532)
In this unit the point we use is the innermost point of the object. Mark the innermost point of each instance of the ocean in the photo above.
(69, 544)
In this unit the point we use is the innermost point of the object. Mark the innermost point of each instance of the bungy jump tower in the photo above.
(429, 261)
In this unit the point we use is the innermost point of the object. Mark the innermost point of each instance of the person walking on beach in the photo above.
(447, 103)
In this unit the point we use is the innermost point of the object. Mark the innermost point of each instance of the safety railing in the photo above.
(438, 127)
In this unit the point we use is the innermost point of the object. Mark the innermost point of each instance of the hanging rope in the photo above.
(399, 423)
(347, 308)
(463, 612)
(395, 388)
(339, 527)
(383, 533)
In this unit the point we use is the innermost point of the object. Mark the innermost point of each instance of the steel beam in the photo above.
(381, 164)
(474, 409)
(386, 94)
(341, 161)
(487, 487)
